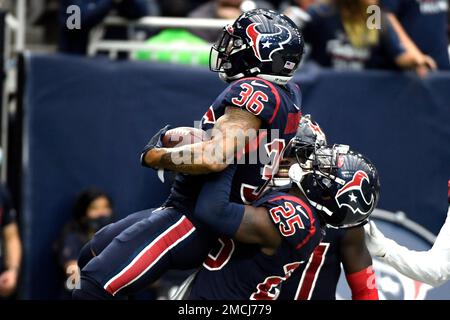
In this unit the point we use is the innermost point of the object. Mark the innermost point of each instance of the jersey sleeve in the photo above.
(257, 96)
(295, 221)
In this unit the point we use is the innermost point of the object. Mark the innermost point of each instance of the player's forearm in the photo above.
(229, 136)
(213, 205)
(189, 159)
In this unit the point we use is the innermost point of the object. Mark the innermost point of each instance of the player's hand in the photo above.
(8, 282)
(156, 140)
(154, 143)
(375, 240)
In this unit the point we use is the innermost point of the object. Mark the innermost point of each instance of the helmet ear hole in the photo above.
(326, 194)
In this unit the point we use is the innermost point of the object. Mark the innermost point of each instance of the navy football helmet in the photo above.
(260, 43)
(308, 137)
(341, 184)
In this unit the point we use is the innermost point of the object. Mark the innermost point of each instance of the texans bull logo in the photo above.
(351, 196)
(265, 44)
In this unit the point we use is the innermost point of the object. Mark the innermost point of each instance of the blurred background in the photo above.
(85, 83)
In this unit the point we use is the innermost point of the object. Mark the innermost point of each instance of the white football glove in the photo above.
(376, 242)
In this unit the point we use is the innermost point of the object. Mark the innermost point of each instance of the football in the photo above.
(182, 136)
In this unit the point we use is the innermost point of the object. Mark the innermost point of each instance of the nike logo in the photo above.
(254, 83)
(300, 209)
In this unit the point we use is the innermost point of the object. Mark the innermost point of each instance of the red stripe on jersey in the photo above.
(312, 230)
(218, 261)
(292, 122)
(277, 99)
(150, 255)
(311, 272)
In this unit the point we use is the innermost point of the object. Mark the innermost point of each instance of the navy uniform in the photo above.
(318, 278)
(243, 271)
(137, 250)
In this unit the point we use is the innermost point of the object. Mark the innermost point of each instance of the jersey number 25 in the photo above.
(290, 218)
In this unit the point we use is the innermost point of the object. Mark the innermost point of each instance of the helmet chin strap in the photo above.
(296, 175)
(320, 207)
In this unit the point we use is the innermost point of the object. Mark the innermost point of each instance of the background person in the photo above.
(339, 38)
(92, 211)
(422, 26)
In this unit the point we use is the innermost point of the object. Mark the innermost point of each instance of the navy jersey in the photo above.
(426, 22)
(331, 47)
(278, 107)
(242, 271)
(318, 278)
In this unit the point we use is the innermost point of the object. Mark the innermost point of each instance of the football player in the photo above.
(279, 231)
(258, 55)
(318, 278)
(431, 267)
